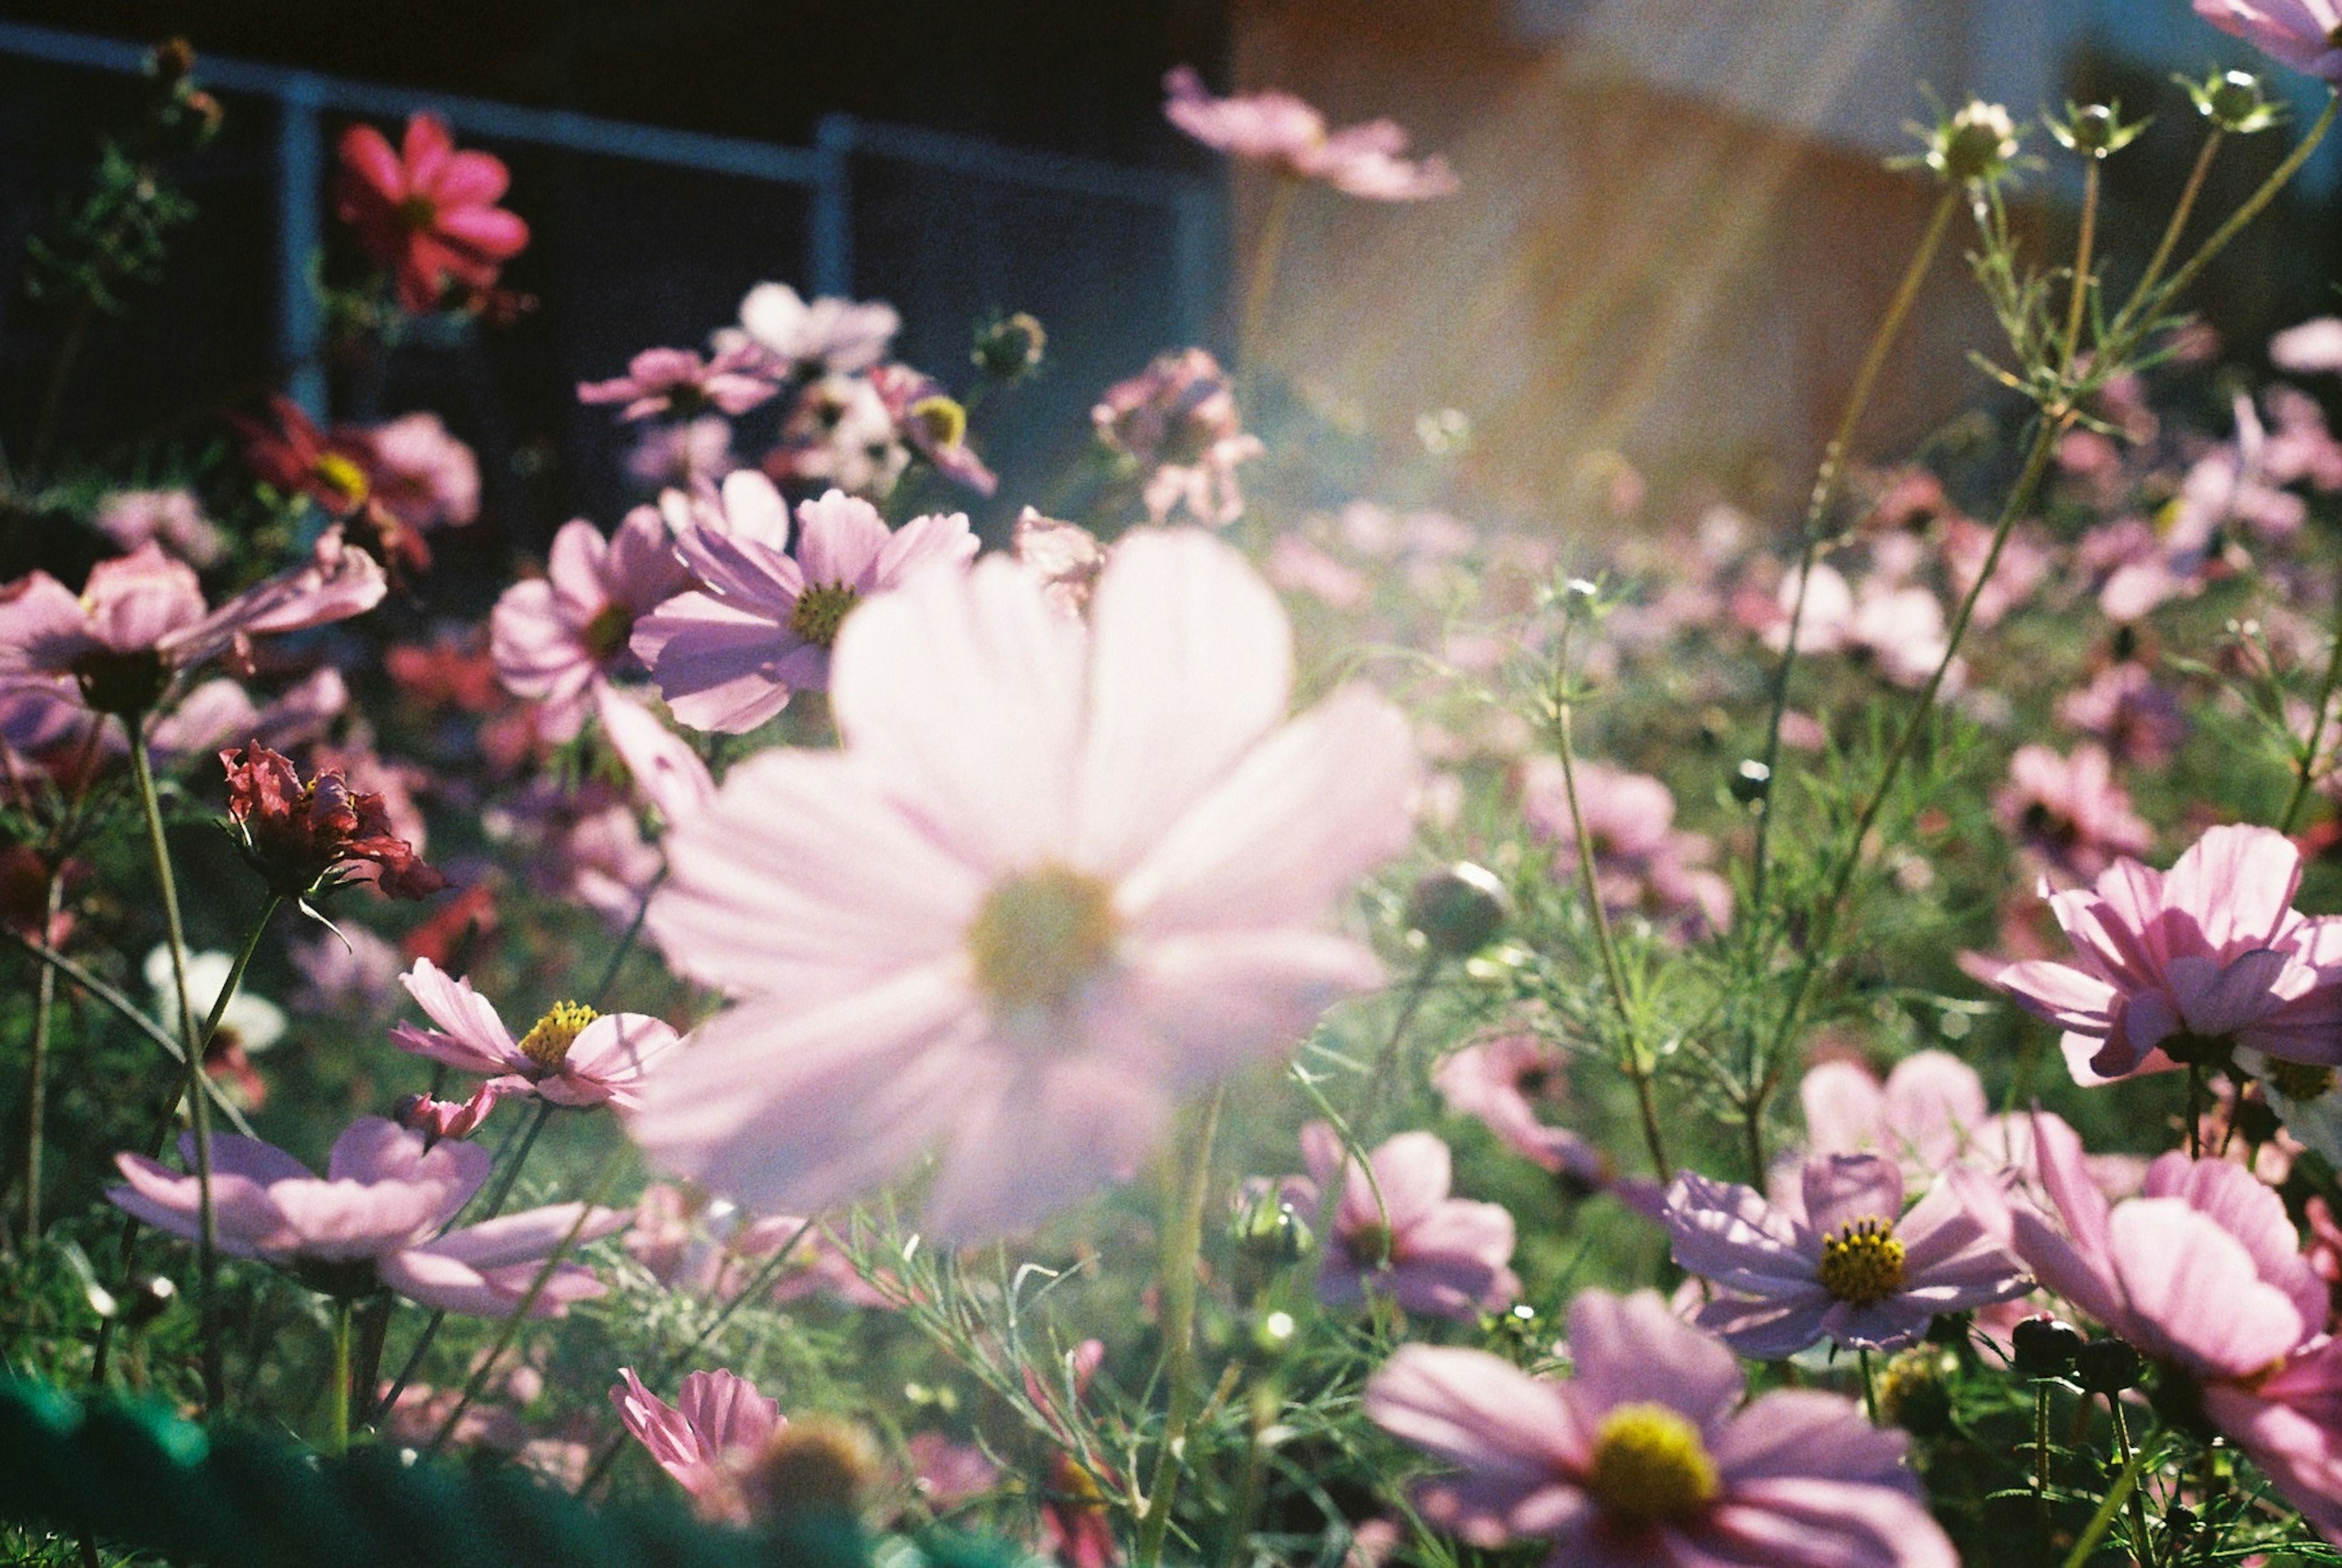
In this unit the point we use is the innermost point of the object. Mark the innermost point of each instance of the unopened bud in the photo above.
(2095, 130)
(815, 1465)
(1270, 1230)
(2107, 1366)
(1459, 909)
(2235, 101)
(2045, 1347)
(1010, 349)
(1973, 146)
(1752, 781)
(145, 1298)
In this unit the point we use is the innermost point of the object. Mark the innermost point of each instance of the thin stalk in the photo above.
(527, 1302)
(339, 1441)
(2083, 250)
(2305, 769)
(37, 1070)
(53, 395)
(1631, 1053)
(2195, 1109)
(1826, 481)
(2126, 1486)
(2041, 1454)
(1869, 1388)
(2139, 1543)
(2172, 230)
(199, 1105)
(501, 1193)
(1387, 1059)
(1260, 280)
(1183, 1244)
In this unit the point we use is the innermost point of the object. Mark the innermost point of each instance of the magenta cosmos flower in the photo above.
(374, 1219)
(2069, 809)
(1853, 1268)
(2305, 34)
(1502, 1082)
(718, 1427)
(558, 638)
(2185, 965)
(727, 659)
(1640, 1461)
(678, 384)
(572, 1056)
(428, 212)
(1290, 136)
(140, 619)
(1055, 880)
(1428, 1251)
(2203, 1274)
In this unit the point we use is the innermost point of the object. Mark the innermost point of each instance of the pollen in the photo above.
(1040, 937)
(1862, 1262)
(343, 477)
(1650, 1466)
(548, 1041)
(820, 610)
(2299, 1080)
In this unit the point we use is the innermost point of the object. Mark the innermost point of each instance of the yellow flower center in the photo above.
(1040, 937)
(343, 477)
(548, 1041)
(1862, 1262)
(941, 419)
(820, 610)
(1650, 1466)
(610, 630)
(2299, 1080)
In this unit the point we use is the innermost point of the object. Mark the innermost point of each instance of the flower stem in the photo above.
(2083, 250)
(2139, 1541)
(37, 1070)
(625, 944)
(2126, 1486)
(2041, 1452)
(2180, 213)
(1387, 1060)
(2305, 768)
(1869, 1386)
(1260, 281)
(141, 771)
(340, 1440)
(1183, 1244)
(1826, 481)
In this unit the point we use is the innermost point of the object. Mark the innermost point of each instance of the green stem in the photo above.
(340, 1441)
(2041, 1454)
(1869, 1388)
(2171, 231)
(2242, 218)
(2304, 770)
(1387, 1060)
(2126, 1486)
(1826, 481)
(1260, 282)
(2082, 257)
(199, 1105)
(37, 1070)
(1183, 1244)
(626, 945)
(2140, 1544)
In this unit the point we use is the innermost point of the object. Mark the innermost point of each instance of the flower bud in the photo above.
(1459, 909)
(2107, 1366)
(1914, 1392)
(1269, 1230)
(2235, 101)
(1975, 146)
(2095, 130)
(2045, 1347)
(145, 1298)
(1010, 349)
(1752, 781)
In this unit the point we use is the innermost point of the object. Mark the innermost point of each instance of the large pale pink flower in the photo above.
(1641, 1461)
(1278, 129)
(718, 1426)
(1401, 1235)
(727, 658)
(2305, 34)
(1055, 880)
(572, 1056)
(557, 638)
(374, 1218)
(2202, 1273)
(1852, 1267)
(2179, 966)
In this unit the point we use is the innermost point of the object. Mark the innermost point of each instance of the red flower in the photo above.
(428, 212)
(292, 456)
(298, 834)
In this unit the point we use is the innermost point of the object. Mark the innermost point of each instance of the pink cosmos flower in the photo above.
(1281, 131)
(1426, 1251)
(695, 452)
(2202, 1273)
(420, 473)
(1925, 1115)
(2140, 722)
(1501, 1082)
(173, 518)
(2305, 34)
(839, 434)
(1853, 1268)
(934, 424)
(572, 1056)
(2069, 809)
(2171, 967)
(1642, 865)
(558, 638)
(1054, 881)
(428, 212)
(677, 383)
(1897, 626)
(811, 339)
(376, 1218)
(1178, 419)
(1639, 1459)
(437, 1119)
(667, 771)
(727, 658)
(1066, 557)
(141, 618)
(717, 1428)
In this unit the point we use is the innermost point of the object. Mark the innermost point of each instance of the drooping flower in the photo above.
(718, 1427)
(2305, 34)
(676, 383)
(1640, 1460)
(140, 619)
(727, 658)
(2069, 809)
(1853, 1268)
(811, 339)
(373, 1220)
(1278, 129)
(1052, 883)
(2182, 965)
(558, 638)
(572, 1056)
(436, 1119)
(1400, 1235)
(428, 212)
(303, 836)
(2203, 1274)
(1178, 419)
(1501, 1082)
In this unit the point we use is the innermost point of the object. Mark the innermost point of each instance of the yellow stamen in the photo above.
(820, 610)
(1650, 1466)
(1040, 937)
(1862, 1262)
(548, 1041)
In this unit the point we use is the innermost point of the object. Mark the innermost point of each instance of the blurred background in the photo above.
(1675, 229)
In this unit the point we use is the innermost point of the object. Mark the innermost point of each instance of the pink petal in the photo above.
(1631, 1348)
(2195, 1287)
(466, 1016)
